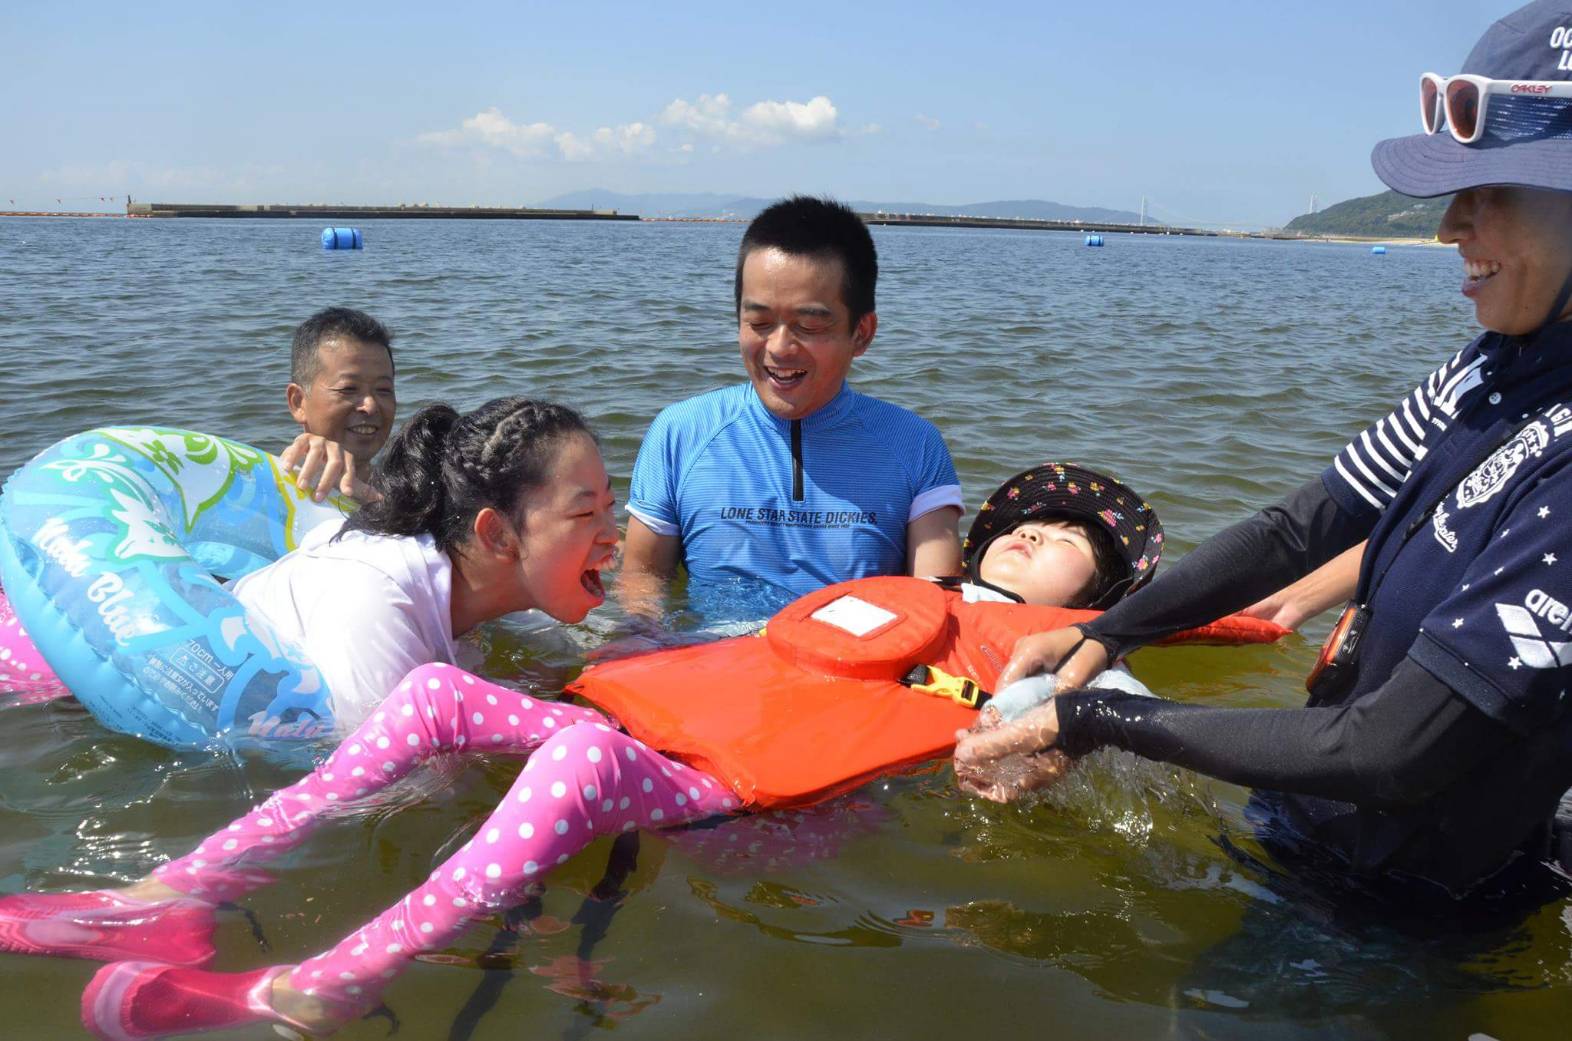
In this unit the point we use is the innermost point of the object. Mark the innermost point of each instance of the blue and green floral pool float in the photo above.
(114, 548)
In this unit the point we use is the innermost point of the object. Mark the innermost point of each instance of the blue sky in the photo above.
(1230, 113)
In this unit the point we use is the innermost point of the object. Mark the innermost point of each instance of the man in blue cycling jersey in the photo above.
(794, 478)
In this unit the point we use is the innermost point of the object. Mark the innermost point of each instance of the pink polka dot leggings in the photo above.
(584, 779)
(25, 677)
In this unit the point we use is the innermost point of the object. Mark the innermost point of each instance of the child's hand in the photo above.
(321, 467)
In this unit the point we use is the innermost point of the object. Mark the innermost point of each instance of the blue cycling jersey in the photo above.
(796, 503)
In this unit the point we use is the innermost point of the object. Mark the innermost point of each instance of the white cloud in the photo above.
(712, 118)
(629, 138)
(492, 129)
(927, 121)
(815, 119)
(708, 116)
(761, 124)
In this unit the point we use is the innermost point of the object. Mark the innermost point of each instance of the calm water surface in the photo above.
(1212, 375)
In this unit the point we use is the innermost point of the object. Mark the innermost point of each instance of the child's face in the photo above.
(569, 534)
(351, 400)
(1049, 563)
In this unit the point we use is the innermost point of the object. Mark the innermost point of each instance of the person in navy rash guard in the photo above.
(794, 478)
(1437, 739)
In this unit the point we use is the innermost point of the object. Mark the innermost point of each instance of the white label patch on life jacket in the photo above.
(853, 615)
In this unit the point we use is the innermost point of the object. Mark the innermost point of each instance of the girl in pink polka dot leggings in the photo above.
(515, 500)
(583, 778)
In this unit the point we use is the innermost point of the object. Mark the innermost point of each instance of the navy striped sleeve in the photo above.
(1367, 473)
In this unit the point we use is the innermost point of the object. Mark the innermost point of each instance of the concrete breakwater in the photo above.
(323, 211)
(923, 220)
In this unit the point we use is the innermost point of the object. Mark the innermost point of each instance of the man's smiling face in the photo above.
(350, 399)
(795, 332)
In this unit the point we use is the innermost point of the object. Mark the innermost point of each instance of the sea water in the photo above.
(1213, 375)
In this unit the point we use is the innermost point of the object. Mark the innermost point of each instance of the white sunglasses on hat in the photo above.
(1460, 101)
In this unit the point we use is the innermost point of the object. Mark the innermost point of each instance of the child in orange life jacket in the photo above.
(1036, 538)
(1057, 535)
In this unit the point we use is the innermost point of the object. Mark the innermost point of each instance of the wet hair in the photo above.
(305, 359)
(803, 226)
(443, 468)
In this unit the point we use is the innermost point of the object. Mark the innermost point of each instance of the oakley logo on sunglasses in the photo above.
(1530, 88)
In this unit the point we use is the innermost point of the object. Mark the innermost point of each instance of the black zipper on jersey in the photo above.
(796, 460)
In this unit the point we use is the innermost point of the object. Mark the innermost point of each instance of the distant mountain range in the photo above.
(711, 204)
(1388, 215)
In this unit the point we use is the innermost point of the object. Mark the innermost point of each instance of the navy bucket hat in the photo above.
(1527, 140)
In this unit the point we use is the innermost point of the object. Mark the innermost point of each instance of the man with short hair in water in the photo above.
(794, 478)
(341, 393)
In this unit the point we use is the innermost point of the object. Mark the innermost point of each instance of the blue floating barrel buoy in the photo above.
(342, 238)
(1378, 250)
(1094, 240)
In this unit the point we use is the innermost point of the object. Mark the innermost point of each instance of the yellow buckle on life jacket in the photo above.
(929, 679)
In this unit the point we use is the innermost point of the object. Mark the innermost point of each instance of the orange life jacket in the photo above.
(825, 700)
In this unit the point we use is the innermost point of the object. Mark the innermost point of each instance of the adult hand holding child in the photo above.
(322, 467)
(1006, 761)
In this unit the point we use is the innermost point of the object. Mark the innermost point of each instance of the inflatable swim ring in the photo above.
(113, 545)
(848, 682)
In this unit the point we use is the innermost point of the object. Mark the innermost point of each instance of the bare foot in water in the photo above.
(152, 891)
(316, 1015)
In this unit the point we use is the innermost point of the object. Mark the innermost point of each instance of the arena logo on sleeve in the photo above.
(1532, 648)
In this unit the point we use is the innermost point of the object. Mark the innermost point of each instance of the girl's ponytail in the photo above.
(410, 478)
